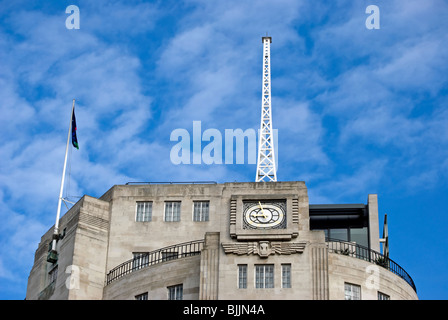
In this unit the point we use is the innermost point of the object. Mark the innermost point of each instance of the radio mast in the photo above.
(266, 167)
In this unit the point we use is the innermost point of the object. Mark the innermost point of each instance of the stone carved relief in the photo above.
(263, 248)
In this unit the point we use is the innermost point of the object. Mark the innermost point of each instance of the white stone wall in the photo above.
(370, 277)
(156, 279)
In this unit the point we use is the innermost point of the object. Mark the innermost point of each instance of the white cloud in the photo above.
(300, 134)
(360, 182)
(44, 68)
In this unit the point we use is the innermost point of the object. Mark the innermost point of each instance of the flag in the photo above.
(74, 138)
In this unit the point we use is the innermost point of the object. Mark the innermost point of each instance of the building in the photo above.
(204, 241)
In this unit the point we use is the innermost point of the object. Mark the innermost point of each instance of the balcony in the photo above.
(354, 250)
(186, 249)
(193, 248)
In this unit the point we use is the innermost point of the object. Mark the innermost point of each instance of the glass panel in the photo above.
(196, 211)
(242, 276)
(264, 276)
(171, 293)
(352, 291)
(286, 276)
(200, 211)
(175, 292)
(205, 206)
(148, 211)
(140, 260)
(172, 211)
(53, 274)
(339, 234)
(176, 213)
(359, 235)
(139, 211)
(382, 296)
(259, 277)
(168, 209)
(166, 256)
(269, 276)
(143, 296)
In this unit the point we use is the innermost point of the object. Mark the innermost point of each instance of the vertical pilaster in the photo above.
(374, 233)
(209, 267)
(319, 266)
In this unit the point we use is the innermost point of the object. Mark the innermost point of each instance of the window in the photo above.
(53, 274)
(144, 212)
(242, 276)
(286, 276)
(200, 210)
(382, 296)
(140, 260)
(360, 236)
(143, 296)
(170, 255)
(351, 234)
(264, 276)
(339, 234)
(352, 291)
(175, 292)
(172, 211)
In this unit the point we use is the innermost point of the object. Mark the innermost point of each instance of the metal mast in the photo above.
(266, 167)
(53, 253)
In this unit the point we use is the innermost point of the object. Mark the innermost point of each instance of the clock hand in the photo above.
(264, 215)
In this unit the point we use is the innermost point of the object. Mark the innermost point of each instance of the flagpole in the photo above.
(56, 225)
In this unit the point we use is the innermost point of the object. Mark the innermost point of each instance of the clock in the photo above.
(264, 215)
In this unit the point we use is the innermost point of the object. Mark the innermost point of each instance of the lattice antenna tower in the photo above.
(266, 166)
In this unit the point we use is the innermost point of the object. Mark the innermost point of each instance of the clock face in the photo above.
(264, 215)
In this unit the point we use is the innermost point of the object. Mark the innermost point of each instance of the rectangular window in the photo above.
(169, 255)
(382, 296)
(143, 296)
(286, 276)
(172, 211)
(242, 276)
(53, 274)
(175, 292)
(338, 234)
(352, 291)
(264, 276)
(200, 210)
(360, 236)
(144, 211)
(140, 260)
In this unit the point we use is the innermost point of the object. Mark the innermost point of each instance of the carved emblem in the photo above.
(263, 248)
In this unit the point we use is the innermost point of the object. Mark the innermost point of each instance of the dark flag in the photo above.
(74, 138)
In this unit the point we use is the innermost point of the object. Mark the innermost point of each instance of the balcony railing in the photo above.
(192, 248)
(144, 260)
(360, 252)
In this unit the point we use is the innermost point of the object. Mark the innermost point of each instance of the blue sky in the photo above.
(358, 111)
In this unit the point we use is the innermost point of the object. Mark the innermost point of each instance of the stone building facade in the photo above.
(208, 241)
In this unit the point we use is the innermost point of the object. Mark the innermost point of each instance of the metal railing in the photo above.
(144, 260)
(364, 253)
